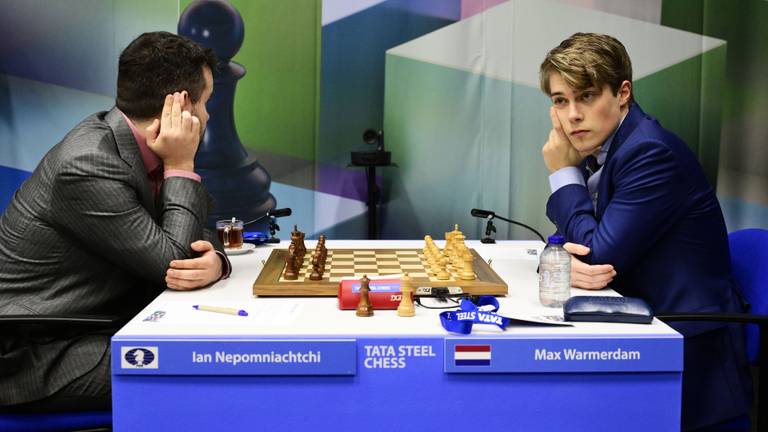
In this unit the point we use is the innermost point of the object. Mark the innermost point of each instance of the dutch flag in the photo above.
(472, 355)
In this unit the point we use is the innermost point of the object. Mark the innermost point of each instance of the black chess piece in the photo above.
(238, 183)
(291, 271)
(364, 307)
(316, 273)
(302, 246)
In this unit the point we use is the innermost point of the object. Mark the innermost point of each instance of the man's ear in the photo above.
(625, 92)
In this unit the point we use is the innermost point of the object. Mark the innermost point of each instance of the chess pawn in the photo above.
(321, 242)
(467, 272)
(406, 309)
(364, 308)
(434, 268)
(291, 272)
(443, 274)
(461, 255)
(316, 275)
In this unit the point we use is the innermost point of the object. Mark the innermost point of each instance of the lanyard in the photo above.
(469, 313)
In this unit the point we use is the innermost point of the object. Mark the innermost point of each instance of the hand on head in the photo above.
(175, 136)
(558, 151)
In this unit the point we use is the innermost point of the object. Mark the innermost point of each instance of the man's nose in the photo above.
(574, 113)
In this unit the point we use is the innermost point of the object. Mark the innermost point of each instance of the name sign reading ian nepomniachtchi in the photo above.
(236, 356)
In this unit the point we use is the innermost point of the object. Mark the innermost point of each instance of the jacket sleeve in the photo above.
(649, 196)
(95, 200)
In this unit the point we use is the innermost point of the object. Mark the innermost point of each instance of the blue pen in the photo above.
(224, 310)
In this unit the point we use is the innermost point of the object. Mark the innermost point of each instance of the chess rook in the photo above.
(406, 308)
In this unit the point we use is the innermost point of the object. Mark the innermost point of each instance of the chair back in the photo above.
(69, 421)
(749, 265)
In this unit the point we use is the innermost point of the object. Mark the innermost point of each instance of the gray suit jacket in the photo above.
(84, 235)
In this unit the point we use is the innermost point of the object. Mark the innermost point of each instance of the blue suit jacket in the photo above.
(658, 222)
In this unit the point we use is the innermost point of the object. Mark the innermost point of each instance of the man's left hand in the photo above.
(197, 272)
(586, 276)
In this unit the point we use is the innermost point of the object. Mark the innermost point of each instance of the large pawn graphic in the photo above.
(238, 183)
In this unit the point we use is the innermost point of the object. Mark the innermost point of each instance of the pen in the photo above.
(224, 310)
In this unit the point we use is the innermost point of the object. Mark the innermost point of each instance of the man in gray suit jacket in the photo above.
(111, 216)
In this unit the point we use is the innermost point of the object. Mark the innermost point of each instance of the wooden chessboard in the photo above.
(371, 262)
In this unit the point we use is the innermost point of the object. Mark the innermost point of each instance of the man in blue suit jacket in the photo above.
(634, 203)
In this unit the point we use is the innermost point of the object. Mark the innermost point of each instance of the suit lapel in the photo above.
(628, 126)
(129, 152)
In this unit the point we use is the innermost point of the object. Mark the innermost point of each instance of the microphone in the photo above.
(280, 212)
(273, 213)
(482, 213)
(488, 214)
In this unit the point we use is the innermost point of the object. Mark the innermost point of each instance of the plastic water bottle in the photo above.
(554, 273)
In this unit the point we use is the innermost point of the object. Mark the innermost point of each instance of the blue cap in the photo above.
(556, 239)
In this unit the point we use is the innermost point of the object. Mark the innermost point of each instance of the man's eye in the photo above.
(586, 97)
(558, 101)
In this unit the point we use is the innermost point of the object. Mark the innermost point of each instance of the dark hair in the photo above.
(156, 64)
(588, 59)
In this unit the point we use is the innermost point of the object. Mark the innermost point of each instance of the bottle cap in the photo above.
(556, 239)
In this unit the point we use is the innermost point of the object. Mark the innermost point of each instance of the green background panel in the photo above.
(276, 102)
(742, 24)
(686, 98)
(462, 140)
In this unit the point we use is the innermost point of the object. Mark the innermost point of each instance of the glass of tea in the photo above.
(230, 233)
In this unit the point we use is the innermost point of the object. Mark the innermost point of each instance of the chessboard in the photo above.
(370, 262)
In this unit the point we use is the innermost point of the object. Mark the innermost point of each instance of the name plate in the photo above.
(233, 356)
(547, 355)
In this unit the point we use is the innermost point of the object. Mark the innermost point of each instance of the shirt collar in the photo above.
(150, 159)
(607, 144)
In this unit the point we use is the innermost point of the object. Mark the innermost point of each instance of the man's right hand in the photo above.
(558, 152)
(587, 276)
(175, 137)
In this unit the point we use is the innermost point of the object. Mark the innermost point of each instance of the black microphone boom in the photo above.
(482, 213)
(487, 214)
(280, 212)
(272, 213)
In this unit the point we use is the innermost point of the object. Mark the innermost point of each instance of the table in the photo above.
(301, 363)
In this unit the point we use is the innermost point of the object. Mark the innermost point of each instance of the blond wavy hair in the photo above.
(587, 60)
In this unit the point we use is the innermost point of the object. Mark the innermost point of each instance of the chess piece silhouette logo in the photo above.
(139, 357)
(238, 183)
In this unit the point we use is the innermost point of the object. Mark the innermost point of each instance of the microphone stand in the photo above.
(273, 226)
(273, 229)
(489, 229)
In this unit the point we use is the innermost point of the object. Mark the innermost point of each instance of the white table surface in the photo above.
(320, 316)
